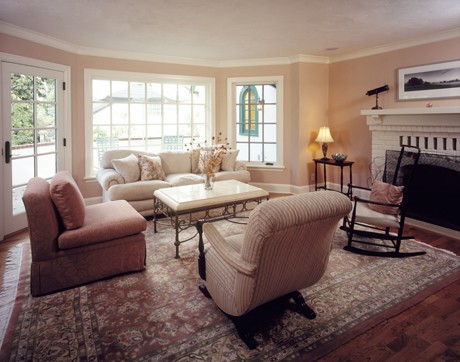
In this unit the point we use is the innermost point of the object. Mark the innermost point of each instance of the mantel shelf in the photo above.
(376, 113)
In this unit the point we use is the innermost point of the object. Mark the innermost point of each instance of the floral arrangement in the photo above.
(211, 154)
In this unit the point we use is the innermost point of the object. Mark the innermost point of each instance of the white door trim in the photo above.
(66, 131)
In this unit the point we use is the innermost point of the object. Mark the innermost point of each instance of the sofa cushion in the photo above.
(176, 162)
(104, 222)
(386, 193)
(128, 167)
(228, 160)
(181, 179)
(151, 168)
(242, 176)
(68, 200)
(135, 191)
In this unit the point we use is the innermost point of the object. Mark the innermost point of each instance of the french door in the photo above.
(32, 138)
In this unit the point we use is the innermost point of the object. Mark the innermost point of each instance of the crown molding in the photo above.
(35, 37)
(431, 38)
(301, 58)
(147, 57)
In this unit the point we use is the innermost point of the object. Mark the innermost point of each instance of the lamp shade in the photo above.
(324, 135)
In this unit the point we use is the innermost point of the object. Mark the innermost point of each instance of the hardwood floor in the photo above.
(428, 331)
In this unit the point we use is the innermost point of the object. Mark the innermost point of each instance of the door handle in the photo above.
(7, 152)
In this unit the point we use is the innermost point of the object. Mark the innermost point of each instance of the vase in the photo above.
(208, 182)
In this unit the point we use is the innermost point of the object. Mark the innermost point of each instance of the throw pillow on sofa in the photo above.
(128, 168)
(195, 156)
(228, 160)
(151, 168)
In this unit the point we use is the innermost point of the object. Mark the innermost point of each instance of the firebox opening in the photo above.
(434, 193)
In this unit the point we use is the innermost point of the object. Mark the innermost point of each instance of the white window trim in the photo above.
(90, 74)
(231, 116)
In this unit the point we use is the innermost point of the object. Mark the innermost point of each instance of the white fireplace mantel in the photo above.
(434, 130)
(413, 116)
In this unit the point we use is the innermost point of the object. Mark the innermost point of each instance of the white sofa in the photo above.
(180, 168)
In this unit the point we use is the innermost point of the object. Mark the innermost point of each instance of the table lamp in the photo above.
(325, 137)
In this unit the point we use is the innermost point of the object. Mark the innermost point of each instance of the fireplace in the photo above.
(436, 182)
(434, 193)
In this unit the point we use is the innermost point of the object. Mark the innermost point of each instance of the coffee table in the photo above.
(230, 195)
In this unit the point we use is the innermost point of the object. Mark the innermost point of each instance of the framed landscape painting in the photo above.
(440, 80)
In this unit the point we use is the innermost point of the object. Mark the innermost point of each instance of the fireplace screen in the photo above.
(434, 193)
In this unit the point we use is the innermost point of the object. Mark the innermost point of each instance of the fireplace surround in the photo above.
(436, 131)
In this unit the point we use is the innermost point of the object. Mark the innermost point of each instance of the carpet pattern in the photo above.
(160, 315)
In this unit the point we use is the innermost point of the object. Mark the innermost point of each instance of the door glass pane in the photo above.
(46, 140)
(46, 165)
(46, 89)
(22, 115)
(22, 142)
(22, 87)
(46, 115)
(26, 167)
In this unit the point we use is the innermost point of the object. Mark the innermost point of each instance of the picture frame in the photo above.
(438, 80)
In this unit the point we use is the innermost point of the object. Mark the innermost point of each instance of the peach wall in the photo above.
(314, 99)
(348, 82)
(314, 95)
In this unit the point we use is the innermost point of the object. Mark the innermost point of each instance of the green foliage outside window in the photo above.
(32, 106)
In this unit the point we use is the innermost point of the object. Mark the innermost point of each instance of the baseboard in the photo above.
(434, 228)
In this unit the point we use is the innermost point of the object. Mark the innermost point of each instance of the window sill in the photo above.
(264, 167)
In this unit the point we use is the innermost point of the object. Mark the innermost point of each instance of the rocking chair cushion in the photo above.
(386, 193)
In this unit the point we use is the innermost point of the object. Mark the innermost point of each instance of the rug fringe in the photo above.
(9, 286)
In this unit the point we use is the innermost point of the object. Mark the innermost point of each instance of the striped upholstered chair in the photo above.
(285, 247)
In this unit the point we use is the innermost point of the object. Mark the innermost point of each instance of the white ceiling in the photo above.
(226, 30)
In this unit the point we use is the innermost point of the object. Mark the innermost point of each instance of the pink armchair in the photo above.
(73, 244)
(285, 247)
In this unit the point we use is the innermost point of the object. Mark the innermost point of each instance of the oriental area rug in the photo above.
(160, 315)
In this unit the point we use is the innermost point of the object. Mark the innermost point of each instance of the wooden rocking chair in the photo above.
(373, 217)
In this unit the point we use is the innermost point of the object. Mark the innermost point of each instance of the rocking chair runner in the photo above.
(385, 209)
